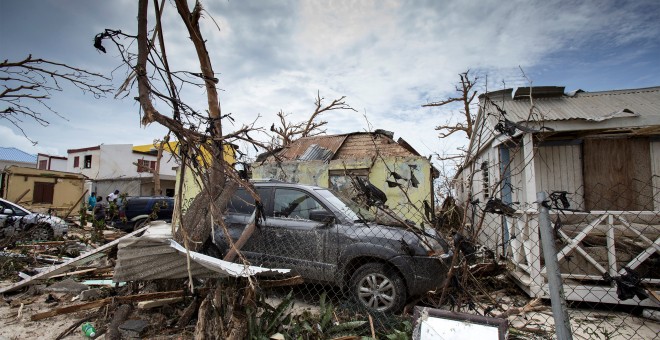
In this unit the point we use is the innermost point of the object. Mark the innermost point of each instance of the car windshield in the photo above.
(348, 207)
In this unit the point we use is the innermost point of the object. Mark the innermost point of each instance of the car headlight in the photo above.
(431, 246)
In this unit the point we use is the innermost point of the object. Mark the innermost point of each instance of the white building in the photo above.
(123, 167)
(49, 162)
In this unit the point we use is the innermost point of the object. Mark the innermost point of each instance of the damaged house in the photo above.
(337, 161)
(124, 167)
(43, 191)
(597, 156)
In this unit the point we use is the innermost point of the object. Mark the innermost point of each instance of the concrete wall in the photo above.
(68, 188)
(91, 172)
(52, 163)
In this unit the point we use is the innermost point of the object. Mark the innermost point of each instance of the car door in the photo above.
(237, 216)
(3, 216)
(10, 216)
(294, 241)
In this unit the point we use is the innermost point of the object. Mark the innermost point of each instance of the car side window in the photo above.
(241, 203)
(15, 211)
(294, 204)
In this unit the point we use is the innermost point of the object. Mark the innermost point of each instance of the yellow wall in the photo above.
(68, 188)
(191, 186)
(398, 198)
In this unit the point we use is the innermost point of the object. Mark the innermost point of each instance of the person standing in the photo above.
(99, 209)
(112, 197)
(91, 202)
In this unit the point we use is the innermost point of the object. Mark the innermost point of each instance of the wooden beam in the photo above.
(158, 303)
(103, 302)
(245, 236)
(21, 196)
(86, 257)
(75, 204)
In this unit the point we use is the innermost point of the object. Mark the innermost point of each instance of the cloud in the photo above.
(12, 139)
(387, 57)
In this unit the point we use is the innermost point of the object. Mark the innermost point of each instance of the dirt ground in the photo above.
(15, 320)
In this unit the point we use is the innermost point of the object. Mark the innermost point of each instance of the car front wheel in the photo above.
(378, 288)
(40, 232)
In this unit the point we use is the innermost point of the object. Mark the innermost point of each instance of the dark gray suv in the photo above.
(328, 239)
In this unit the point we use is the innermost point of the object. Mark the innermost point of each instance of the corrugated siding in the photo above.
(315, 152)
(559, 168)
(298, 148)
(365, 145)
(594, 106)
(16, 155)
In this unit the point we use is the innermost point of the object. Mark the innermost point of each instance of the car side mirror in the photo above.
(7, 212)
(321, 215)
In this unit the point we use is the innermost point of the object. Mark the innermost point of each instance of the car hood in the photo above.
(58, 224)
(412, 235)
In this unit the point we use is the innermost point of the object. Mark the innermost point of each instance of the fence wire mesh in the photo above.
(375, 265)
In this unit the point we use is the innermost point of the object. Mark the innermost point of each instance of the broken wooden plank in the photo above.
(75, 204)
(245, 236)
(86, 257)
(103, 302)
(290, 281)
(158, 303)
(83, 271)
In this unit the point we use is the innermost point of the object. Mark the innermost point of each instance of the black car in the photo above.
(138, 210)
(328, 239)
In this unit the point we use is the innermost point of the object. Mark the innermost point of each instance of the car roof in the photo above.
(272, 183)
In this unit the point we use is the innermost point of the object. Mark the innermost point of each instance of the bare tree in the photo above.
(466, 94)
(26, 86)
(199, 133)
(288, 132)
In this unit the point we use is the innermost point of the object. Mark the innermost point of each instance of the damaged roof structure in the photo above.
(333, 161)
(598, 155)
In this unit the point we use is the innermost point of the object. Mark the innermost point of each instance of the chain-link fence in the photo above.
(370, 265)
(607, 242)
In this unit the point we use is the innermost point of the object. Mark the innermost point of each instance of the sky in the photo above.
(386, 57)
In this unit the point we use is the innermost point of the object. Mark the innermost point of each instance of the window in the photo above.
(243, 203)
(43, 192)
(88, 162)
(43, 165)
(15, 210)
(294, 204)
(144, 165)
(617, 174)
(76, 162)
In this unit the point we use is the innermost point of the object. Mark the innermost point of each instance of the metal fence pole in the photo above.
(559, 307)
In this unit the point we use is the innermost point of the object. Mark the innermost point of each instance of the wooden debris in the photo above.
(188, 313)
(291, 281)
(84, 258)
(103, 302)
(158, 303)
(532, 306)
(121, 314)
(75, 325)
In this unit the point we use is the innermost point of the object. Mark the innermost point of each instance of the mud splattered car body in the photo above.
(15, 219)
(328, 239)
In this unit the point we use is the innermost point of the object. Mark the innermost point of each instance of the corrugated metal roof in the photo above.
(154, 255)
(316, 153)
(592, 106)
(16, 155)
(298, 148)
